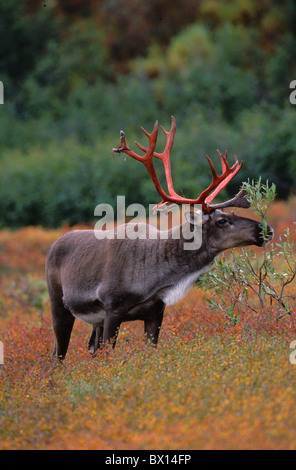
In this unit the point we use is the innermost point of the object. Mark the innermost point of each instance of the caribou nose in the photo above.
(263, 238)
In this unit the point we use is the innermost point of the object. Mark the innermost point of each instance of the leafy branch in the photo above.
(243, 279)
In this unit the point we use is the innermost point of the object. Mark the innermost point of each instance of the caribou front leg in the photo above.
(152, 327)
(95, 339)
(111, 328)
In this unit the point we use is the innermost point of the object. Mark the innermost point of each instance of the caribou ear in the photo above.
(196, 217)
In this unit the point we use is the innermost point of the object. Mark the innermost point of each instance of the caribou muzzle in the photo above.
(262, 238)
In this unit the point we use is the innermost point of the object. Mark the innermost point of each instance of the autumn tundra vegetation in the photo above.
(223, 375)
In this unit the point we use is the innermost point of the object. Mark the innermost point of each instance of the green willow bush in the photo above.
(245, 280)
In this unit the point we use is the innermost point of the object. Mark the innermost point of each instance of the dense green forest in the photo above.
(76, 72)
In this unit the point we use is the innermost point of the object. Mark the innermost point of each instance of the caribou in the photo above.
(106, 281)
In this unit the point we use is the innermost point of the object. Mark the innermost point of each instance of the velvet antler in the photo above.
(206, 197)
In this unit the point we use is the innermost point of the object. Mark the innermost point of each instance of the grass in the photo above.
(208, 385)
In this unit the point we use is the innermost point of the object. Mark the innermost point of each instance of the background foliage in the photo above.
(76, 72)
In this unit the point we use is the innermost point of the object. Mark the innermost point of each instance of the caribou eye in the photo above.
(222, 222)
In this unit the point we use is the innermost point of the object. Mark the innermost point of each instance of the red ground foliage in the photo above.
(208, 385)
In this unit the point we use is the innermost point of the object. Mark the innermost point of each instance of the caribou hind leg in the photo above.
(111, 328)
(62, 321)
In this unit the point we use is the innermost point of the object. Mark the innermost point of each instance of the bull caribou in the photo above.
(107, 281)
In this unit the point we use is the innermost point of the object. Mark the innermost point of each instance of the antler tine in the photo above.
(223, 159)
(145, 132)
(152, 142)
(165, 156)
(170, 138)
(152, 139)
(149, 152)
(228, 174)
(217, 180)
(214, 173)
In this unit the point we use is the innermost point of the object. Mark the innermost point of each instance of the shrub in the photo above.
(246, 280)
(63, 183)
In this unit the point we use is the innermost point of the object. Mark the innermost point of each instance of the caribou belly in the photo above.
(92, 318)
